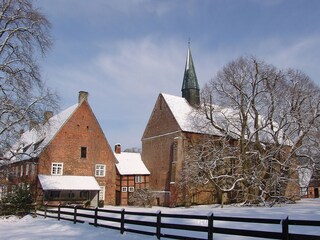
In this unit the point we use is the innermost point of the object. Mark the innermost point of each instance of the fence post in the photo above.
(210, 226)
(45, 210)
(122, 221)
(35, 211)
(285, 229)
(59, 212)
(96, 216)
(158, 233)
(75, 215)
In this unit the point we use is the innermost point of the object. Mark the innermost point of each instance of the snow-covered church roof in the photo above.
(33, 141)
(190, 120)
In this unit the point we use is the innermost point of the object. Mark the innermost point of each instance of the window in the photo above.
(232, 165)
(71, 194)
(33, 167)
(124, 189)
(57, 169)
(27, 169)
(131, 189)
(26, 148)
(54, 194)
(21, 171)
(84, 194)
(100, 170)
(17, 171)
(37, 144)
(102, 192)
(83, 152)
(138, 179)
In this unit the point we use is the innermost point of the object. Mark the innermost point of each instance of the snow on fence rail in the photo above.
(165, 225)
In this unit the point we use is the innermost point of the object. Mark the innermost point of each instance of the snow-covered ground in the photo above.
(52, 229)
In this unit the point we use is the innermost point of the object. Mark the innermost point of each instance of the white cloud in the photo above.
(100, 10)
(301, 53)
(123, 81)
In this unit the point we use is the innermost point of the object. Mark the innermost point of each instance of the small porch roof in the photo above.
(48, 182)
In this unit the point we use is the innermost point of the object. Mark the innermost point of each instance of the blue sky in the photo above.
(125, 52)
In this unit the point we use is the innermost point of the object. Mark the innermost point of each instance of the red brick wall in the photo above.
(161, 120)
(82, 130)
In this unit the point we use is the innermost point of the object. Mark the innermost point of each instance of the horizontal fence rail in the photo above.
(163, 225)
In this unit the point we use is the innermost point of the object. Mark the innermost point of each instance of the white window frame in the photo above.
(57, 168)
(100, 170)
(102, 192)
(124, 189)
(138, 179)
(131, 189)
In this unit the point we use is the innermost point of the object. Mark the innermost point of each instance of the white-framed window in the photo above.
(138, 179)
(17, 171)
(21, 170)
(102, 192)
(57, 169)
(124, 189)
(131, 189)
(100, 170)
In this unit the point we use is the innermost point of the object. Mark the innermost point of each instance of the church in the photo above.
(175, 129)
(166, 138)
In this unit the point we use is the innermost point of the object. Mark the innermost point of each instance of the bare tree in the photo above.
(24, 37)
(269, 118)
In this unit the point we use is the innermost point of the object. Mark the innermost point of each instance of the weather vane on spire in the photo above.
(189, 42)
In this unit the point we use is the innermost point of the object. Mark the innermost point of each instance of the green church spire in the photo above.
(190, 87)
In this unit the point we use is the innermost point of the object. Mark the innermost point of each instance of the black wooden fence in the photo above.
(160, 224)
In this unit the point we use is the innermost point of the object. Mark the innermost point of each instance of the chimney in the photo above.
(83, 96)
(32, 124)
(117, 148)
(47, 116)
(21, 132)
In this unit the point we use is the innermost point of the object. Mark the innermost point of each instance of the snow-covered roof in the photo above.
(49, 182)
(33, 141)
(184, 114)
(130, 164)
(190, 120)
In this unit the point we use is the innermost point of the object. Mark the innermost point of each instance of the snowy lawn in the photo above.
(49, 229)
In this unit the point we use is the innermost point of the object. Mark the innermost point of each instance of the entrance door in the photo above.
(316, 192)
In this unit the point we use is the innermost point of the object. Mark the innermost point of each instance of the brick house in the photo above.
(132, 175)
(65, 159)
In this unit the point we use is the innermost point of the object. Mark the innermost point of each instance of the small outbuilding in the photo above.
(132, 175)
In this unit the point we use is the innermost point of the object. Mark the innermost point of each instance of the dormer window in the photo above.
(26, 148)
(37, 144)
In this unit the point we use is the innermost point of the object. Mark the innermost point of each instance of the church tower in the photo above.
(190, 87)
